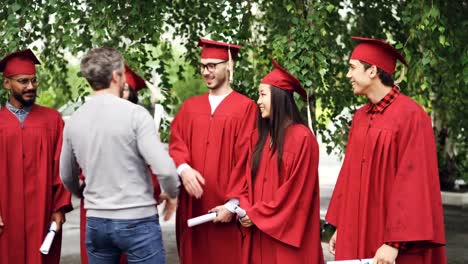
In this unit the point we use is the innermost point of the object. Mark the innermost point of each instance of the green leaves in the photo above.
(330, 8)
(442, 40)
(434, 13)
(309, 38)
(15, 7)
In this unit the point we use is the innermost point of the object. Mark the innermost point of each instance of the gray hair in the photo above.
(98, 65)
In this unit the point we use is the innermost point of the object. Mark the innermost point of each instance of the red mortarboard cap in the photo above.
(19, 62)
(377, 52)
(217, 50)
(282, 79)
(134, 80)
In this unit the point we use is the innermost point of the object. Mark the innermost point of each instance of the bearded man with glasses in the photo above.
(209, 144)
(31, 192)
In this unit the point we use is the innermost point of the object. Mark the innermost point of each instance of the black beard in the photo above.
(220, 84)
(19, 98)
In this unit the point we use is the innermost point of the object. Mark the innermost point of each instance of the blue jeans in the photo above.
(140, 239)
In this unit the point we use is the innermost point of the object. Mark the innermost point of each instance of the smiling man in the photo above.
(31, 193)
(209, 144)
(387, 204)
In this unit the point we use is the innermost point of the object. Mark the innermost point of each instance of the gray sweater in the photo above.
(112, 140)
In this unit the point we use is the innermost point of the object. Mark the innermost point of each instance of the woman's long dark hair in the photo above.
(132, 95)
(284, 112)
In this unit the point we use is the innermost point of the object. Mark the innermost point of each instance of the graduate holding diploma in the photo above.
(209, 144)
(387, 204)
(282, 220)
(31, 193)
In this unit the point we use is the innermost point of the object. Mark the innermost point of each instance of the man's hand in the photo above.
(246, 221)
(192, 180)
(332, 243)
(59, 219)
(222, 214)
(2, 225)
(170, 206)
(385, 255)
(162, 197)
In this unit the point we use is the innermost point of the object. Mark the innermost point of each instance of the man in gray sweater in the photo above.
(112, 140)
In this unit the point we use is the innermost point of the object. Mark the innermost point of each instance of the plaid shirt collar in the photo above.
(380, 106)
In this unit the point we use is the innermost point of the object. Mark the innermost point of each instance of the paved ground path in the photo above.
(456, 223)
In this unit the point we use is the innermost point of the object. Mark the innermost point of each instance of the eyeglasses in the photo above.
(26, 81)
(210, 67)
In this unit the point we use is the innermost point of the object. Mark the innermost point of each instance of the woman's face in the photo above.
(126, 92)
(264, 100)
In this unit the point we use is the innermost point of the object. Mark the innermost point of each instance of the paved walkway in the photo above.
(456, 227)
(456, 223)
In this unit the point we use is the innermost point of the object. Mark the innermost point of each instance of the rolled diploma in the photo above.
(201, 219)
(240, 212)
(355, 261)
(48, 239)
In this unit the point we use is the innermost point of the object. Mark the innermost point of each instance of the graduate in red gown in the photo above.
(209, 144)
(387, 204)
(282, 221)
(31, 192)
(134, 84)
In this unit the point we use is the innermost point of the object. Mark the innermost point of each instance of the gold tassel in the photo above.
(230, 66)
(309, 115)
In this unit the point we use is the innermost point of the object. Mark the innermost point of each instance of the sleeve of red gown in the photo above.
(414, 210)
(61, 198)
(334, 206)
(236, 182)
(178, 149)
(286, 216)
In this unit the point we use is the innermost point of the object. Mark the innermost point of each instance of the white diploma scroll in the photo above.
(48, 239)
(239, 211)
(354, 261)
(201, 219)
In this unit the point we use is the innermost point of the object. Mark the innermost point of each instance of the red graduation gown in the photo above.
(284, 206)
(388, 188)
(216, 146)
(83, 252)
(30, 186)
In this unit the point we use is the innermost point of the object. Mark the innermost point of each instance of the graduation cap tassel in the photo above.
(230, 66)
(309, 116)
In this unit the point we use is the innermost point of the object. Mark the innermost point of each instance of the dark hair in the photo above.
(386, 78)
(98, 65)
(284, 112)
(132, 95)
